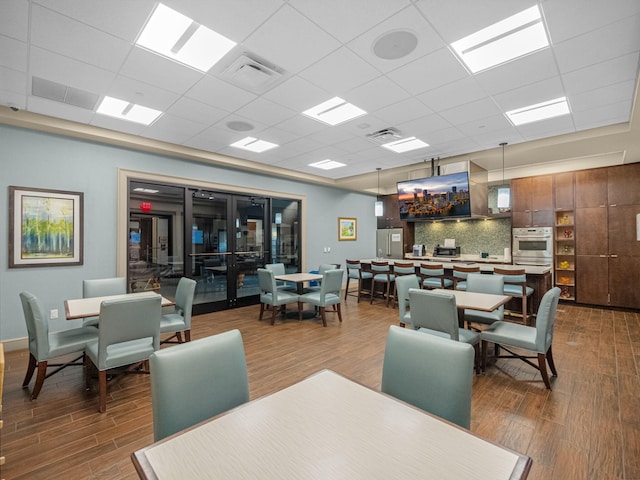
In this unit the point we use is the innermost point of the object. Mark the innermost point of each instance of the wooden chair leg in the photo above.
(542, 364)
(324, 318)
(484, 355)
(187, 335)
(552, 365)
(339, 312)
(179, 337)
(261, 312)
(102, 391)
(30, 369)
(299, 311)
(40, 376)
(373, 289)
(274, 309)
(476, 359)
(346, 288)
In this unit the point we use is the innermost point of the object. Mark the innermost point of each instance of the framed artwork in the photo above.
(347, 228)
(45, 227)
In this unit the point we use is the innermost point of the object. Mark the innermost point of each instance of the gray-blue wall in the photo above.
(39, 160)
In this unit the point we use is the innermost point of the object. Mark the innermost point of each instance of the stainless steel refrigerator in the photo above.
(390, 243)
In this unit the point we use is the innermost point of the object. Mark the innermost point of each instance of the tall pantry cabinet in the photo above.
(607, 201)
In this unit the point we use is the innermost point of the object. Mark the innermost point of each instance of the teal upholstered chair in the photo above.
(196, 381)
(480, 283)
(382, 275)
(431, 373)
(180, 319)
(271, 295)
(45, 346)
(436, 313)
(102, 287)
(536, 339)
(279, 269)
(515, 284)
(329, 294)
(129, 332)
(460, 273)
(355, 272)
(403, 284)
(401, 269)
(321, 269)
(432, 275)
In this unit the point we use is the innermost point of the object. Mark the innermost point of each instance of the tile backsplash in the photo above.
(473, 237)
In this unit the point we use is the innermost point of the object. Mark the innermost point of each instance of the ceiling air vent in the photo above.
(251, 74)
(63, 93)
(385, 135)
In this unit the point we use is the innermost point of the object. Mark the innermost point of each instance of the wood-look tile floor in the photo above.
(588, 427)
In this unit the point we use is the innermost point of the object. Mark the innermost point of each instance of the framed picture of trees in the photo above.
(45, 227)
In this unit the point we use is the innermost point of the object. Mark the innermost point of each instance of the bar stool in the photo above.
(460, 273)
(400, 269)
(355, 272)
(432, 275)
(381, 275)
(515, 284)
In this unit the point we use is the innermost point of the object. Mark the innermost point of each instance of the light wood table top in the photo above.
(486, 302)
(298, 277)
(327, 426)
(90, 307)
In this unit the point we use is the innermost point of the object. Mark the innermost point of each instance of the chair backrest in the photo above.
(461, 272)
(435, 311)
(102, 287)
(432, 269)
(267, 281)
(403, 284)
(400, 268)
(197, 380)
(326, 266)
(126, 319)
(513, 276)
(431, 373)
(37, 325)
(331, 283)
(546, 318)
(481, 283)
(276, 268)
(184, 298)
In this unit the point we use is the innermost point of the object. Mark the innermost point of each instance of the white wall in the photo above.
(39, 160)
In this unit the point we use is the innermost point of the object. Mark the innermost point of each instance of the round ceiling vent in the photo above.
(239, 126)
(395, 44)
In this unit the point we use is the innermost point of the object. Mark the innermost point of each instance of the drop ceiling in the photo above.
(317, 50)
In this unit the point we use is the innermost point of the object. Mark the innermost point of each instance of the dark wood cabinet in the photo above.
(607, 248)
(532, 201)
(563, 189)
(391, 213)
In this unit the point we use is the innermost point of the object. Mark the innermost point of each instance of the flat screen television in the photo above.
(432, 198)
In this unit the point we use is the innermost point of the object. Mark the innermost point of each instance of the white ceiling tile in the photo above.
(408, 19)
(134, 91)
(602, 97)
(219, 94)
(14, 53)
(377, 94)
(291, 41)
(223, 125)
(453, 94)
(461, 114)
(277, 136)
(602, 74)
(12, 80)
(429, 72)
(173, 129)
(336, 16)
(14, 21)
(116, 124)
(563, 124)
(196, 111)
(211, 139)
(301, 125)
(331, 136)
(605, 115)
(322, 73)
(354, 144)
(481, 126)
(297, 93)
(603, 44)
(59, 110)
(402, 111)
(424, 126)
(266, 111)
(530, 94)
(12, 99)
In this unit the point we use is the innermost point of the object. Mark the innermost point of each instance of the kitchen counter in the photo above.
(466, 258)
(484, 265)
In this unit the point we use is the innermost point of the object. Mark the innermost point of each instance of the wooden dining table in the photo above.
(485, 302)
(90, 307)
(327, 427)
(299, 279)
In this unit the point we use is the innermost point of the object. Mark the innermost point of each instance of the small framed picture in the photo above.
(347, 228)
(45, 227)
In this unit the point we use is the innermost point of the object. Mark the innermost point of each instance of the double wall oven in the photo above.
(533, 246)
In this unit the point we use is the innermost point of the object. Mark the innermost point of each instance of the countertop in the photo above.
(466, 258)
(470, 260)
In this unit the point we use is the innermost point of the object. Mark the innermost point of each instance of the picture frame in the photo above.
(347, 229)
(45, 227)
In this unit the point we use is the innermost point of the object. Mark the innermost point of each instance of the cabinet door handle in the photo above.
(613, 256)
(604, 256)
(602, 206)
(613, 205)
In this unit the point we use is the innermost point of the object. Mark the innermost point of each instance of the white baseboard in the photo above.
(16, 344)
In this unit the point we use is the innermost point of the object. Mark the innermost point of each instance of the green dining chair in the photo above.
(197, 380)
(403, 284)
(102, 287)
(45, 346)
(429, 372)
(536, 339)
(179, 321)
(329, 295)
(355, 272)
(271, 295)
(482, 283)
(128, 333)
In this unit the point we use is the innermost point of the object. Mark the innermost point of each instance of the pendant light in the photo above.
(378, 208)
(504, 192)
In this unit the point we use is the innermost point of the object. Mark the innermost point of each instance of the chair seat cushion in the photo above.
(314, 299)
(70, 341)
(435, 282)
(461, 286)
(366, 275)
(121, 354)
(382, 277)
(466, 336)
(512, 334)
(172, 322)
(283, 298)
(516, 290)
(486, 318)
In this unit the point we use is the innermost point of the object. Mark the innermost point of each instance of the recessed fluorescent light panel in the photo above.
(176, 36)
(254, 145)
(124, 110)
(539, 111)
(327, 164)
(334, 111)
(145, 190)
(504, 41)
(405, 145)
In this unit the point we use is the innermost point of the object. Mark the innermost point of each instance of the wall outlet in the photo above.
(53, 314)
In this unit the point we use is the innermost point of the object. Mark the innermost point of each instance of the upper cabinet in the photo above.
(563, 187)
(532, 201)
(391, 215)
(623, 188)
(592, 188)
